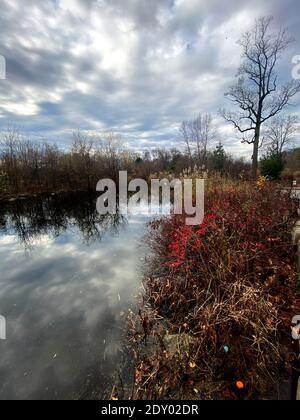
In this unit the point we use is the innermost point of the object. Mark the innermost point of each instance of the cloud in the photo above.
(136, 67)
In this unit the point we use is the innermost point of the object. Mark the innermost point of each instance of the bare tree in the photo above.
(280, 133)
(82, 150)
(256, 92)
(207, 133)
(197, 134)
(185, 136)
(10, 142)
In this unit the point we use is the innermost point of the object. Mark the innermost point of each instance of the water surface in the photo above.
(67, 278)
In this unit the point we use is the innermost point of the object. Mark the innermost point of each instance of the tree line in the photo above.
(33, 166)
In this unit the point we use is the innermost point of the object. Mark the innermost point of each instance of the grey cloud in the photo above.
(113, 64)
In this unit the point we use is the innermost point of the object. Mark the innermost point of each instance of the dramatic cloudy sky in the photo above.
(136, 67)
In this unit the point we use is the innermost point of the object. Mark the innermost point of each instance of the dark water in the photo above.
(67, 276)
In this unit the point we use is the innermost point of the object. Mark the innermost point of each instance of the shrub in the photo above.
(218, 298)
(272, 166)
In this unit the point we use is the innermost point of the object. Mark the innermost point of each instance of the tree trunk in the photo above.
(255, 153)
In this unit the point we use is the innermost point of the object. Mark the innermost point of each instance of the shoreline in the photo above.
(27, 196)
(183, 337)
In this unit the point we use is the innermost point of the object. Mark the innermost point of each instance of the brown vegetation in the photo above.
(215, 316)
(28, 167)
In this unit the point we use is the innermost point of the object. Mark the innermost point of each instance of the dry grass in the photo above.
(215, 322)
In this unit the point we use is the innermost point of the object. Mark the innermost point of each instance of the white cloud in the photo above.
(137, 67)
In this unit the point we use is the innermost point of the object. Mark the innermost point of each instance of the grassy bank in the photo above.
(215, 316)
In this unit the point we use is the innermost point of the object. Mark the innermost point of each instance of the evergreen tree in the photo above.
(219, 158)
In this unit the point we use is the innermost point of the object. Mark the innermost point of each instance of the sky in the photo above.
(136, 67)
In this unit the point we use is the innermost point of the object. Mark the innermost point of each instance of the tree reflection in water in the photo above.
(52, 215)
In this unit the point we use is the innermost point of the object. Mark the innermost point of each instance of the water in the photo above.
(67, 278)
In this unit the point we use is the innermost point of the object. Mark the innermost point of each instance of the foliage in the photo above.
(218, 299)
(220, 157)
(272, 165)
(262, 181)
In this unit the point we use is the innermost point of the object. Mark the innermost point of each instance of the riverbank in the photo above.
(10, 198)
(215, 318)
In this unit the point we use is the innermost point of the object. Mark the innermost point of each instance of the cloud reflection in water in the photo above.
(64, 282)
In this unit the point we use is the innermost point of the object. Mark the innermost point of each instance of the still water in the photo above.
(67, 277)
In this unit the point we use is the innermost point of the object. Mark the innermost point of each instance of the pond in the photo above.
(68, 277)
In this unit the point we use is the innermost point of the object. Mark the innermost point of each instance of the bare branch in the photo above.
(256, 92)
(281, 133)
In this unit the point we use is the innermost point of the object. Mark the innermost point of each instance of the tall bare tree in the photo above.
(256, 92)
(280, 133)
(185, 137)
(197, 134)
(207, 133)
